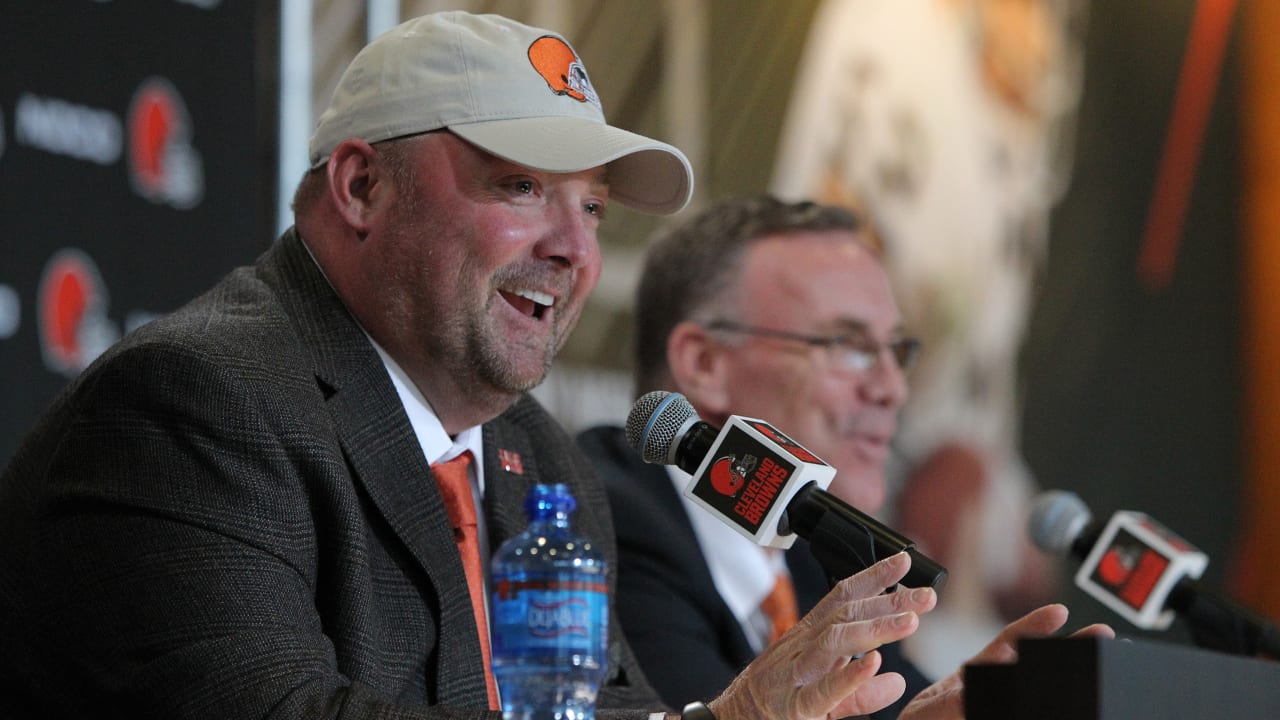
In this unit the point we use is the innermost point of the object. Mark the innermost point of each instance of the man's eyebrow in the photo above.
(850, 326)
(602, 177)
(857, 328)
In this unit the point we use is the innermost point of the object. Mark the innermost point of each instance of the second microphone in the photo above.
(768, 487)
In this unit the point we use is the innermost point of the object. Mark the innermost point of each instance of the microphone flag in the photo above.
(750, 474)
(1134, 566)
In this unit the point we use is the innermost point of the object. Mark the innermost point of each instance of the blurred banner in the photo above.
(137, 166)
(1055, 184)
(949, 124)
(1256, 580)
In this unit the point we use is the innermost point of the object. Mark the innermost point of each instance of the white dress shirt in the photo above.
(744, 573)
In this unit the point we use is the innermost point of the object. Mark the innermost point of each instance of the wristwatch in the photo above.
(696, 711)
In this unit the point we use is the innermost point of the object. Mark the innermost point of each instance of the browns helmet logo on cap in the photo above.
(559, 65)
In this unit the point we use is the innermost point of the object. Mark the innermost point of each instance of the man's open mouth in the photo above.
(532, 303)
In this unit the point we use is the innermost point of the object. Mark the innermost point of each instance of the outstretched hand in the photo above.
(944, 700)
(825, 666)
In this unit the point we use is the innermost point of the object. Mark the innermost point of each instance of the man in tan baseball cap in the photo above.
(246, 508)
(514, 91)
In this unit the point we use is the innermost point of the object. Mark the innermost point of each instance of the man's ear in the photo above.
(357, 183)
(698, 367)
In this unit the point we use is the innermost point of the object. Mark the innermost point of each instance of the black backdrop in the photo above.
(137, 165)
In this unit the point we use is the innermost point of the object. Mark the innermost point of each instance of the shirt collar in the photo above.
(436, 444)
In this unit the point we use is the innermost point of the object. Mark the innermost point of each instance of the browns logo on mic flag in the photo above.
(1134, 566)
(762, 484)
(743, 477)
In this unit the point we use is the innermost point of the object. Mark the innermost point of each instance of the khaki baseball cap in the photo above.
(515, 91)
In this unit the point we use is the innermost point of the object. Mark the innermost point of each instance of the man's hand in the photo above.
(825, 666)
(944, 700)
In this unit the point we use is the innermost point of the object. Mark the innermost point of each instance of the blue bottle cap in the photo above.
(544, 500)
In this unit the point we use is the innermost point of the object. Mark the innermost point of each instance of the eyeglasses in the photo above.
(851, 352)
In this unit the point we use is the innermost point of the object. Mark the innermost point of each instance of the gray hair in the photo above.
(696, 263)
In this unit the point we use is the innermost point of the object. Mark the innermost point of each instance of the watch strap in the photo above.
(696, 711)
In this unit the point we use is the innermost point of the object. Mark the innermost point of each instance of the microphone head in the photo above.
(656, 422)
(1057, 519)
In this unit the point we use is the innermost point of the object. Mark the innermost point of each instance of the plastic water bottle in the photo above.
(549, 615)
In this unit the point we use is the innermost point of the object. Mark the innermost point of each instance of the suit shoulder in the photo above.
(606, 446)
(220, 315)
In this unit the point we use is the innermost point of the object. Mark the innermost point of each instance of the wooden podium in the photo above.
(1096, 679)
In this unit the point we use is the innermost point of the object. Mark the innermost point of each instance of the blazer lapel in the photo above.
(387, 461)
(389, 464)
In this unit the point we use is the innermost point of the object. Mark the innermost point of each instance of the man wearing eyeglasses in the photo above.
(763, 309)
(783, 312)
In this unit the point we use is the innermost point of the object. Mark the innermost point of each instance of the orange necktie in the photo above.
(780, 607)
(455, 487)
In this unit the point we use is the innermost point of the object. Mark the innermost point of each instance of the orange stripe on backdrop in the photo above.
(1175, 177)
(1257, 581)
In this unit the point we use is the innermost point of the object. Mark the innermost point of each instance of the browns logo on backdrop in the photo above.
(72, 313)
(559, 65)
(163, 166)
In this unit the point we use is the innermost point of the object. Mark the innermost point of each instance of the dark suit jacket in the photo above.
(689, 643)
(228, 516)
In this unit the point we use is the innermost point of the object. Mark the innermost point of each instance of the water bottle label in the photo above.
(541, 615)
